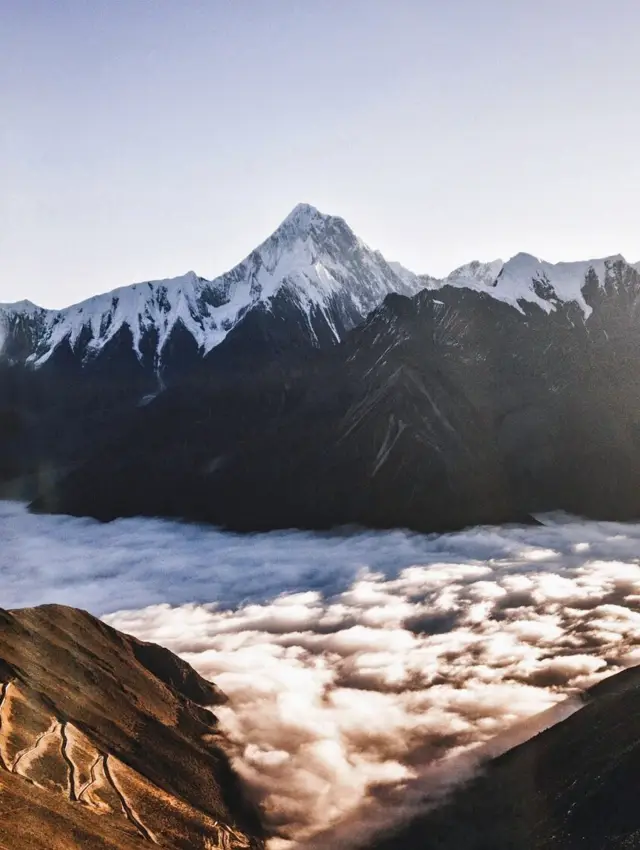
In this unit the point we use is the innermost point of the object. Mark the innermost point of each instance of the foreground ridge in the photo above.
(102, 744)
(569, 788)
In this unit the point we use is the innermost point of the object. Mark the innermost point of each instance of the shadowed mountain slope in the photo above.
(447, 409)
(572, 787)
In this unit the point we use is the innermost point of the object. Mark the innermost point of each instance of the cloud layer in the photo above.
(336, 703)
(385, 673)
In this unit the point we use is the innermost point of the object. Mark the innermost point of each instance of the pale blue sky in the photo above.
(143, 138)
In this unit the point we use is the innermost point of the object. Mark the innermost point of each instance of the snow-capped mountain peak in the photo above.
(156, 305)
(526, 278)
(24, 307)
(304, 223)
(475, 274)
(312, 277)
(324, 272)
(302, 216)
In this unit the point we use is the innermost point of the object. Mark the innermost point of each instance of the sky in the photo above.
(143, 138)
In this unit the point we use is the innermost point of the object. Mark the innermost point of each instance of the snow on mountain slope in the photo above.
(27, 308)
(475, 274)
(21, 325)
(19, 311)
(403, 273)
(314, 258)
(527, 278)
(143, 306)
(321, 273)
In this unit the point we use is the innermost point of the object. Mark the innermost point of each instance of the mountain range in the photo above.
(317, 384)
(313, 275)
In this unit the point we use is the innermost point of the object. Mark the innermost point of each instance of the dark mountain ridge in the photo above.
(69, 377)
(317, 385)
(571, 786)
(442, 410)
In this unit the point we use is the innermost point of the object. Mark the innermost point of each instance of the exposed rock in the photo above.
(108, 742)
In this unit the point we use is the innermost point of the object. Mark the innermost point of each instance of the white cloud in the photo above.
(322, 718)
(386, 670)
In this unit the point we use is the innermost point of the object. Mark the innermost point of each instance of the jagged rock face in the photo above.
(22, 326)
(104, 742)
(572, 787)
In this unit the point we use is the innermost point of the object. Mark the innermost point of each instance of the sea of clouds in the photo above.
(366, 670)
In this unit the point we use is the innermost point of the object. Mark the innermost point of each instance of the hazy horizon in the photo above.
(143, 139)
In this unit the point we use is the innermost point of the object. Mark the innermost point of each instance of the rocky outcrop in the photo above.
(107, 742)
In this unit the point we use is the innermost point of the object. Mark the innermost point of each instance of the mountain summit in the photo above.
(306, 285)
(313, 273)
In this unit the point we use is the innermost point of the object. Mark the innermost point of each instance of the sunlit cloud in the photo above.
(337, 703)
(366, 672)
